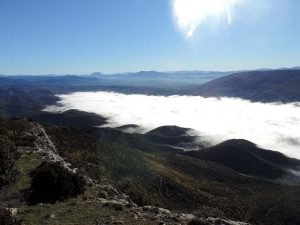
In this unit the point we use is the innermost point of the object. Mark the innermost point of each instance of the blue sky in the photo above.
(84, 36)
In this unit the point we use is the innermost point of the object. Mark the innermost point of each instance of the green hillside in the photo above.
(177, 182)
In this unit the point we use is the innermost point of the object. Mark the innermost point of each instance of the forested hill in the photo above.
(263, 86)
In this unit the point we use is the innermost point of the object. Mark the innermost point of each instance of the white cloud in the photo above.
(191, 14)
(272, 126)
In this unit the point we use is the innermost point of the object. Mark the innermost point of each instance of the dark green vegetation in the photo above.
(245, 157)
(51, 182)
(262, 86)
(169, 131)
(197, 222)
(174, 136)
(8, 161)
(169, 179)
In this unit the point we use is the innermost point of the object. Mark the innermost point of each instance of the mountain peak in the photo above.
(96, 74)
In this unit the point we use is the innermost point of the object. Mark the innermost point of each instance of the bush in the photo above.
(7, 219)
(17, 128)
(52, 182)
(8, 161)
(3, 130)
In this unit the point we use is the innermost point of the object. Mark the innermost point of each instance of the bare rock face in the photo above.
(45, 147)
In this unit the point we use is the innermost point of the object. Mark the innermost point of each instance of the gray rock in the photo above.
(13, 211)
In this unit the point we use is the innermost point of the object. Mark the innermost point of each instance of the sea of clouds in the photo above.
(272, 126)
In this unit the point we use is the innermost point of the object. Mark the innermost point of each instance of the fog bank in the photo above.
(271, 126)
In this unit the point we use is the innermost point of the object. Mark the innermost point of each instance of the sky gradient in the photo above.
(81, 37)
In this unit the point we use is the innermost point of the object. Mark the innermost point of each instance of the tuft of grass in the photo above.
(26, 164)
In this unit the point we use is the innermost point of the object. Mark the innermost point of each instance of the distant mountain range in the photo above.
(144, 82)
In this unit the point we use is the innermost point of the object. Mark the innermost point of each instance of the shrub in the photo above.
(8, 161)
(6, 218)
(3, 129)
(52, 182)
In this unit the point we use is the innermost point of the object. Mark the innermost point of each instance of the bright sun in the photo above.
(189, 14)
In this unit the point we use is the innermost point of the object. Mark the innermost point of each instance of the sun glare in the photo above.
(190, 14)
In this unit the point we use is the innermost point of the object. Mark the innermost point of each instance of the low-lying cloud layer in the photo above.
(271, 126)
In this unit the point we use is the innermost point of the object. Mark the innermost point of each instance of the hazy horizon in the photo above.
(160, 71)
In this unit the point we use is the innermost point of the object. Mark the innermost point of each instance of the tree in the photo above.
(52, 182)
(17, 128)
